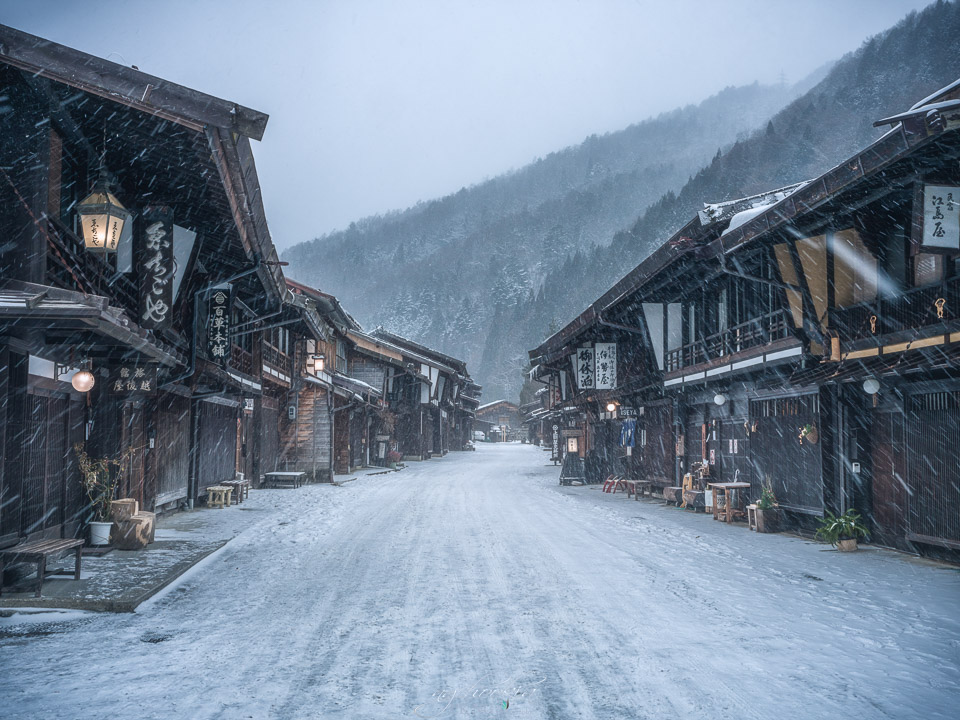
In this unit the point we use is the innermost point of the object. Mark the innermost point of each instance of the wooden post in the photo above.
(256, 441)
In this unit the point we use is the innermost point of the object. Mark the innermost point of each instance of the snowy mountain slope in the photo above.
(459, 257)
(827, 124)
(485, 273)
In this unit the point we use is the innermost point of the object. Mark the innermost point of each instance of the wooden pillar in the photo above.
(255, 440)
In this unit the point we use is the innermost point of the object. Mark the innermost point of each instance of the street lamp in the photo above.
(719, 399)
(871, 386)
(102, 217)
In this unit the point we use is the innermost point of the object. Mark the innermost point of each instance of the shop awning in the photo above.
(78, 322)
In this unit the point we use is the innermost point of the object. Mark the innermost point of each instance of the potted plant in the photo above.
(100, 484)
(809, 433)
(842, 531)
(393, 457)
(768, 512)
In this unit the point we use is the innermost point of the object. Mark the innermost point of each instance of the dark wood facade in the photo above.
(173, 151)
(747, 340)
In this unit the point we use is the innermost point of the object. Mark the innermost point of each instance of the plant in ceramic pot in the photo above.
(768, 512)
(100, 484)
(842, 531)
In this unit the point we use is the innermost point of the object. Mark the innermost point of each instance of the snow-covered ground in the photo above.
(446, 589)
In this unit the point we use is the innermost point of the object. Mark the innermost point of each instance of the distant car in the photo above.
(479, 436)
(468, 445)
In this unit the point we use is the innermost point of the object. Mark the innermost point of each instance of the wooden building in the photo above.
(336, 412)
(805, 338)
(435, 400)
(135, 256)
(504, 418)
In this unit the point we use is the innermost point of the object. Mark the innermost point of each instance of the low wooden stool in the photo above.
(752, 516)
(219, 496)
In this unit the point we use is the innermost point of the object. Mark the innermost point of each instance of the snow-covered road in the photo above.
(436, 591)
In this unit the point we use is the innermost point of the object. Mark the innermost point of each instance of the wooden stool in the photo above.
(752, 516)
(219, 495)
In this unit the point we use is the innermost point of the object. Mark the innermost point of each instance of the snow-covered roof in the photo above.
(715, 212)
(931, 109)
(491, 404)
(955, 85)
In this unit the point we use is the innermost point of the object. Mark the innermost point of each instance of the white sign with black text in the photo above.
(941, 217)
(606, 365)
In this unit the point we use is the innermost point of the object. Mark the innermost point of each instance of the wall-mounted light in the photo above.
(611, 407)
(102, 217)
(719, 399)
(319, 362)
(83, 380)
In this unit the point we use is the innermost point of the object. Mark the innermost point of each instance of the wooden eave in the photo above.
(438, 359)
(127, 86)
(822, 193)
(156, 161)
(372, 346)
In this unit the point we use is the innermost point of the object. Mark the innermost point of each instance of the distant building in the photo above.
(503, 416)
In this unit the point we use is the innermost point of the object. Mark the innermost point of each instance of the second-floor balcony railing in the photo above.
(241, 360)
(275, 358)
(911, 310)
(756, 332)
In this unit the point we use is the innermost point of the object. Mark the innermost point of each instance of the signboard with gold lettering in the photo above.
(133, 380)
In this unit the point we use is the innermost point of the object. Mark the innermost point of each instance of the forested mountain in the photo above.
(440, 272)
(484, 274)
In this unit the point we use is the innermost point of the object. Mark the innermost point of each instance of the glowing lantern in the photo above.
(83, 381)
(102, 218)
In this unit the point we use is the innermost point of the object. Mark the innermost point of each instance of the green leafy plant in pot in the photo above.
(768, 512)
(842, 531)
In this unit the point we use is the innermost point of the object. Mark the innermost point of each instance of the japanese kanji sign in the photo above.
(585, 365)
(155, 267)
(941, 217)
(218, 326)
(133, 380)
(606, 358)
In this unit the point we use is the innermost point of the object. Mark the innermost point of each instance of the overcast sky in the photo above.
(376, 105)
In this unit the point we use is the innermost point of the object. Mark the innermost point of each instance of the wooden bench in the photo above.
(241, 489)
(219, 496)
(38, 552)
(637, 488)
(296, 477)
(673, 495)
(640, 488)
